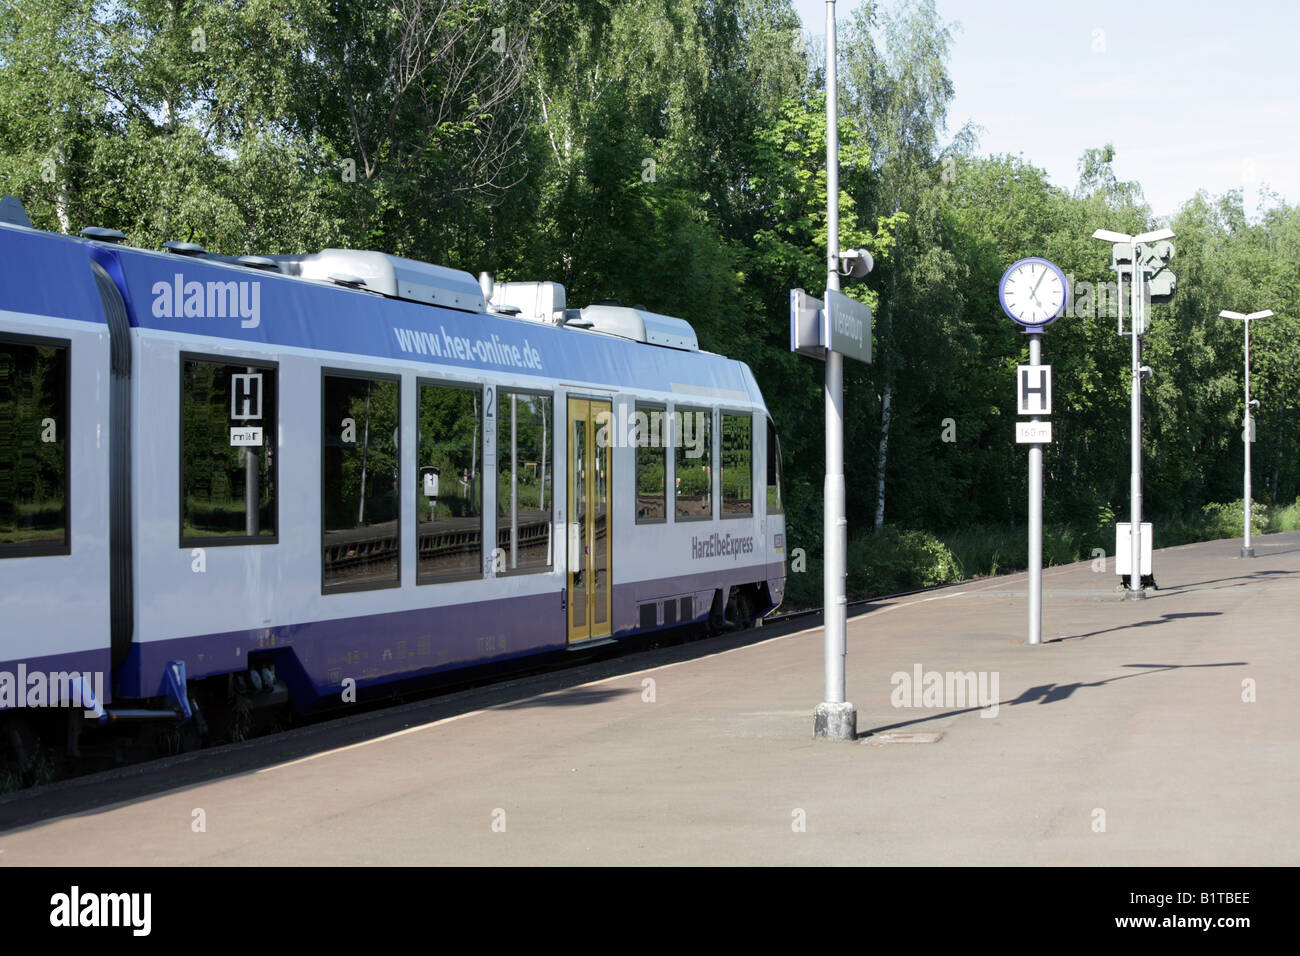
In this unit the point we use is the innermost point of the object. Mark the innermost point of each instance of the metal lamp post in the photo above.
(835, 718)
(1138, 324)
(828, 331)
(1248, 432)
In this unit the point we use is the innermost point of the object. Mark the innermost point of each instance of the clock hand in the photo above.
(1040, 280)
(1033, 293)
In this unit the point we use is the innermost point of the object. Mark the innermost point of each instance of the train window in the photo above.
(360, 537)
(693, 439)
(449, 491)
(774, 506)
(228, 452)
(737, 473)
(33, 447)
(525, 480)
(651, 464)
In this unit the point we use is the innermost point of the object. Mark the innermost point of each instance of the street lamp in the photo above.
(1248, 433)
(1157, 235)
(1135, 412)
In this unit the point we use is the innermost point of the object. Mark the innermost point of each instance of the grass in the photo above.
(40, 771)
(1284, 518)
(984, 550)
(893, 560)
(1001, 549)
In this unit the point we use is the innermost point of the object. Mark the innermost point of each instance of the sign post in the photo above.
(830, 330)
(1133, 256)
(1248, 426)
(835, 717)
(1138, 323)
(1033, 293)
(246, 406)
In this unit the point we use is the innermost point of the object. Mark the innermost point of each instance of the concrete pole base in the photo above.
(835, 721)
(1131, 595)
(1247, 552)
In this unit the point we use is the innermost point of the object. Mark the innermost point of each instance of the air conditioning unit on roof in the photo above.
(540, 301)
(642, 326)
(392, 276)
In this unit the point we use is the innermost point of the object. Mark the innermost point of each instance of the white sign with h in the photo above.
(1034, 389)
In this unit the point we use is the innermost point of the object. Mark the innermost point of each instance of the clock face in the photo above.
(1033, 292)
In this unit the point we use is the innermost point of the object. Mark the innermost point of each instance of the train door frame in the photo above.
(583, 501)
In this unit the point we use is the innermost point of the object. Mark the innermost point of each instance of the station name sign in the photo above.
(838, 323)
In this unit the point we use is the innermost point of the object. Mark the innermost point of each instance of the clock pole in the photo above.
(1019, 294)
(1035, 510)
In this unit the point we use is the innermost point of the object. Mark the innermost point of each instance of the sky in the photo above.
(1192, 94)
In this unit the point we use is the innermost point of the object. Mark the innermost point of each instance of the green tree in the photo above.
(899, 93)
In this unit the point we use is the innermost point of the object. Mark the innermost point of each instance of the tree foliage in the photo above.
(671, 153)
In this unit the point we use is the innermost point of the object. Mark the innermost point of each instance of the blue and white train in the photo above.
(307, 476)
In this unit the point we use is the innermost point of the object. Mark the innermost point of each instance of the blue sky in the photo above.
(1193, 95)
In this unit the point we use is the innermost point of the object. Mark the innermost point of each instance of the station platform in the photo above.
(1154, 732)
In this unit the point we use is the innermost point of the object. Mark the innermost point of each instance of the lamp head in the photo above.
(856, 263)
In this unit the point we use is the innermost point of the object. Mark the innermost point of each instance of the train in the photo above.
(232, 483)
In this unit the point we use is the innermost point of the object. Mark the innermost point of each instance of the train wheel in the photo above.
(740, 608)
(717, 615)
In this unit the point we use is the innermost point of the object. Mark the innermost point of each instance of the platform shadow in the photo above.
(1272, 552)
(1046, 694)
(577, 697)
(1163, 618)
(1243, 578)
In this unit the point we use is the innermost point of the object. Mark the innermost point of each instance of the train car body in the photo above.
(312, 479)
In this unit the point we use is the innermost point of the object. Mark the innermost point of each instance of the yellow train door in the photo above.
(589, 521)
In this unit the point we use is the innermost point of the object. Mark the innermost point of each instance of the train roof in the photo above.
(47, 274)
(221, 298)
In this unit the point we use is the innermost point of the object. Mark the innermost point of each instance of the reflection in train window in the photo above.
(33, 447)
(773, 471)
(449, 488)
(525, 473)
(651, 463)
(737, 478)
(228, 452)
(693, 437)
(359, 482)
